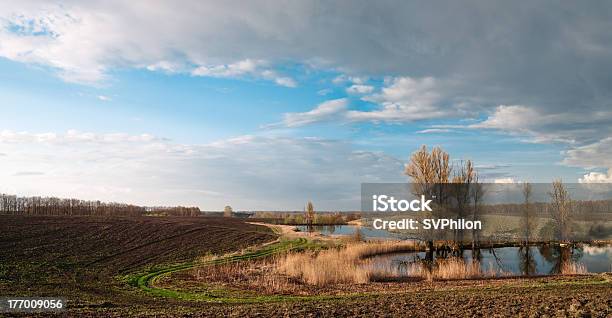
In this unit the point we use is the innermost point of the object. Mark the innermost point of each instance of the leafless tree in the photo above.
(309, 214)
(561, 208)
(227, 211)
(429, 173)
(528, 220)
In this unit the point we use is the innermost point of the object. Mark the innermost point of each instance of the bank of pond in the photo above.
(500, 259)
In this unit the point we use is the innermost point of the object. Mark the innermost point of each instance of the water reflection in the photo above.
(365, 232)
(524, 260)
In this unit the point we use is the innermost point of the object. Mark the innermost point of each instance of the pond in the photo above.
(366, 232)
(535, 260)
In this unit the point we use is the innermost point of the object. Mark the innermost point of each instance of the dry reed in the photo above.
(350, 265)
(573, 268)
(344, 265)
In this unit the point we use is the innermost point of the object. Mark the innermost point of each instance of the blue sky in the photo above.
(274, 104)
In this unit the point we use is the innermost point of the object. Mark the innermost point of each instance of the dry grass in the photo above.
(456, 268)
(344, 265)
(350, 265)
(255, 275)
(347, 265)
(573, 268)
(327, 267)
(444, 269)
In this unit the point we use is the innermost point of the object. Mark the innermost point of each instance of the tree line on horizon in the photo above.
(16, 205)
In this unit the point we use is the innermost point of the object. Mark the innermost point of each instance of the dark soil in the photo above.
(84, 258)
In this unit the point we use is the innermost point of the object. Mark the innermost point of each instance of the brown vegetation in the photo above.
(15, 205)
(350, 265)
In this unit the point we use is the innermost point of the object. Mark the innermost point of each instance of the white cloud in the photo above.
(597, 177)
(28, 173)
(248, 172)
(166, 66)
(565, 127)
(405, 99)
(597, 154)
(360, 89)
(239, 68)
(515, 118)
(247, 67)
(433, 131)
(591, 156)
(323, 112)
(285, 81)
(12, 137)
(340, 79)
(85, 41)
(324, 91)
(104, 98)
(562, 98)
(504, 180)
(585, 134)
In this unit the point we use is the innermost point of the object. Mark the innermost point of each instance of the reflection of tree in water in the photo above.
(476, 255)
(403, 266)
(527, 263)
(331, 229)
(560, 256)
(358, 236)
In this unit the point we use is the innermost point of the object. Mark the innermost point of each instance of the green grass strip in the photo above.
(146, 281)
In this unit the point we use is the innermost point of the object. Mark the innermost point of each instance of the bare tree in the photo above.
(227, 211)
(429, 172)
(561, 207)
(528, 220)
(477, 193)
(462, 180)
(309, 214)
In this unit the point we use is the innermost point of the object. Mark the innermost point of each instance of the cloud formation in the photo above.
(549, 63)
(401, 99)
(545, 53)
(244, 68)
(576, 127)
(247, 172)
(405, 99)
(325, 111)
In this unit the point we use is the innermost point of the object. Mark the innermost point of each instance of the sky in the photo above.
(264, 105)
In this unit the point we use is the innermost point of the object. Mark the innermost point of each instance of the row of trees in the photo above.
(562, 211)
(457, 192)
(174, 211)
(12, 204)
(543, 209)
